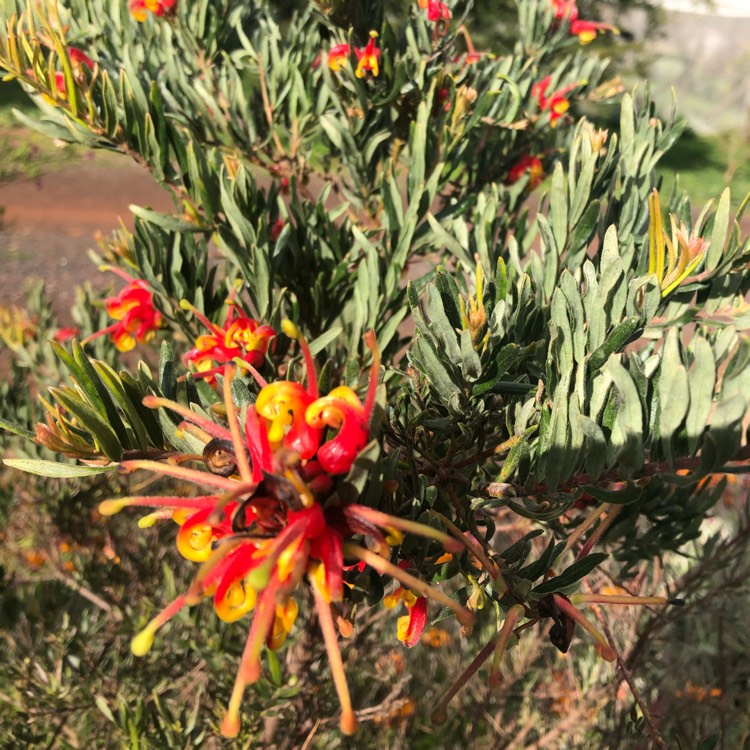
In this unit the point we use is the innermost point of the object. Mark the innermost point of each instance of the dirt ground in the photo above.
(51, 222)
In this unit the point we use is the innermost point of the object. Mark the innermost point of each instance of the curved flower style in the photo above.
(241, 338)
(269, 527)
(137, 320)
(530, 165)
(140, 9)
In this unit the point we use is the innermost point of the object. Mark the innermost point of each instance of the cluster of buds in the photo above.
(140, 9)
(368, 59)
(273, 523)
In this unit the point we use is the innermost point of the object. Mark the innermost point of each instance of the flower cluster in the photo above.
(240, 338)
(586, 31)
(140, 9)
(137, 320)
(274, 521)
(368, 58)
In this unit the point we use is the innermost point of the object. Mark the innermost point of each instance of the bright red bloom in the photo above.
(133, 309)
(530, 165)
(338, 56)
(411, 625)
(66, 333)
(556, 103)
(273, 523)
(240, 337)
(436, 10)
(586, 31)
(79, 58)
(369, 57)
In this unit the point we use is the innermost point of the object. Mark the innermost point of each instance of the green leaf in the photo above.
(55, 470)
(16, 429)
(571, 575)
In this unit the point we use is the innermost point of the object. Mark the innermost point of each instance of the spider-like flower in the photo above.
(275, 522)
(586, 31)
(240, 338)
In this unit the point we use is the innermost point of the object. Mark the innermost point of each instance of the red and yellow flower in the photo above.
(137, 320)
(436, 10)
(369, 58)
(530, 165)
(240, 338)
(269, 528)
(140, 9)
(556, 103)
(586, 31)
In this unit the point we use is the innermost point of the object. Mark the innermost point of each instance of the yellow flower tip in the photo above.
(230, 725)
(258, 577)
(146, 522)
(349, 722)
(141, 643)
(373, 34)
(290, 329)
(346, 628)
(111, 507)
(185, 305)
(606, 652)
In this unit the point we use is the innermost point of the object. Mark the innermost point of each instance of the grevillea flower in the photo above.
(556, 103)
(140, 9)
(586, 31)
(369, 57)
(240, 337)
(411, 625)
(267, 531)
(137, 320)
(338, 56)
(530, 165)
(436, 10)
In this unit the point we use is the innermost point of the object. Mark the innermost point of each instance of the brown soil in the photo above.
(51, 222)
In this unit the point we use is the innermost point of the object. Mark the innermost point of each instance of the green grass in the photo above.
(707, 164)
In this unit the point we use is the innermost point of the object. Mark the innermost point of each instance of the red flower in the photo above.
(269, 526)
(369, 57)
(140, 9)
(530, 165)
(241, 337)
(66, 334)
(556, 103)
(436, 10)
(338, 56)
(586, 31)
(133, 309)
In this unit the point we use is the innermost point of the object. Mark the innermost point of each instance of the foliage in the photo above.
(551, 383)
